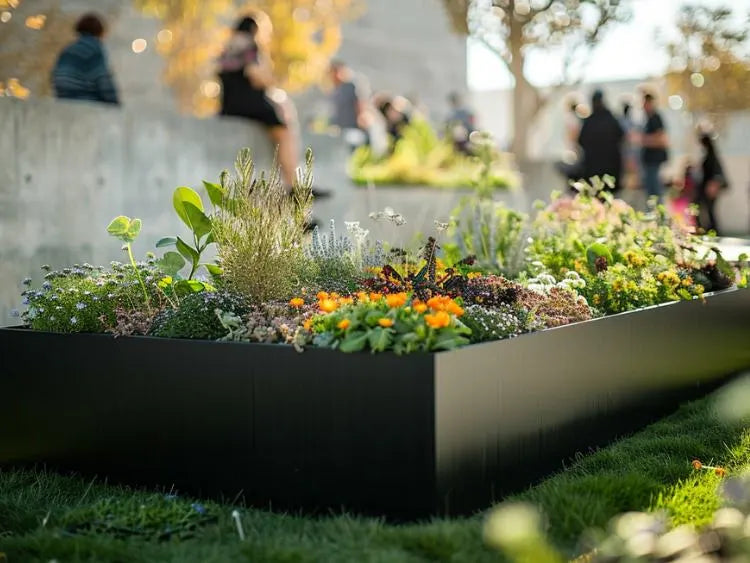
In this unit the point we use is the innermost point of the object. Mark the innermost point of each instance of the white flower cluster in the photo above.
(388, 214)
(543, 283)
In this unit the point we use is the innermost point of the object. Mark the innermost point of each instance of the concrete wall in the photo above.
(66, 169)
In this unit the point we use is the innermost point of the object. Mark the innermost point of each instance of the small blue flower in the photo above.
(25, 301)
(46, 267)
(15, 314)
(199, 508)
(80, 306)
(73, 320)
(26, 281)
(46, 285)
(95, 298)
(55, 298)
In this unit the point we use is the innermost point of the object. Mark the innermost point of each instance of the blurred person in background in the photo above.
(81, 71)
(396, 112)
(712, 182)
(601, 140)
(630, 157)
(245, 75)
(570, 166)
(654, 144)
(461, 123)
(348, 106)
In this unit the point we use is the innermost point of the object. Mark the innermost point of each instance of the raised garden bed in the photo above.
(408, 436)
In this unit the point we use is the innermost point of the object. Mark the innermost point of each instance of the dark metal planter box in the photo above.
(405, 436)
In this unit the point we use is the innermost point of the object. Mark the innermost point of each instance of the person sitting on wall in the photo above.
(81, 71)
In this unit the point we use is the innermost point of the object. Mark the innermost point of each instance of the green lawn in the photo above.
(44, 516)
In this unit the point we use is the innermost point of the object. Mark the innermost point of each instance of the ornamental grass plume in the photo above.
(259, 229)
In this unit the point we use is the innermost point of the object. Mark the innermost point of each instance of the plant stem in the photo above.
(138, 275)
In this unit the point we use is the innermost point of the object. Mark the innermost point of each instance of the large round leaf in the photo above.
(183, 195)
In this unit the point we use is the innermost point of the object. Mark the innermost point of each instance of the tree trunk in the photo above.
(526, 101)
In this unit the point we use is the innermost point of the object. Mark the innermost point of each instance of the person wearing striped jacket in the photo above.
(82, 71)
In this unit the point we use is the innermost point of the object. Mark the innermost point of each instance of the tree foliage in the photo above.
(510, 28)
(305, 35)
(710, 67)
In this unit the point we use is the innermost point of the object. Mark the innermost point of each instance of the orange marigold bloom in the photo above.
(720, 471)
(307, 325)
(297, 302)
(439, 319)
(376, 296)
(697, 464)
(322, 295)
(396, 300)
(344, 324)
(454, 308)
(334, 295)
(436, 303)
(385, 323)
(362, 296)
(420, 307)
(346, 300)
(328, 305)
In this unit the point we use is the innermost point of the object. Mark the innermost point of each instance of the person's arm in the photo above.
(260, 73)
(106, 90)
(657, 138)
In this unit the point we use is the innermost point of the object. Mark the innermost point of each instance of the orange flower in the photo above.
(697, 464)
(322, 295)
(454, 308)
(345, 301)
(344, 324)
(328, 305)
(307, 325)
(440, 319)
(396, 300)
(436, 303)
(720, 471)
(297, 302)
(376, 296)
(385, 323)
(334, 295)
(420, 307)
(362, 296)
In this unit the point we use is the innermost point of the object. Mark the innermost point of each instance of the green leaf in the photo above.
(134, 230)
(182, 196)
(213, 269)
(118, 227)
(185, 287)
(215, 193)
(166, 241)
(200, 224)
(190, 254)
(380, 339)
(209, 239)
(354, 342)
(172, 263)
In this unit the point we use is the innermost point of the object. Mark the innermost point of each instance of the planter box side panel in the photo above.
(508, 412)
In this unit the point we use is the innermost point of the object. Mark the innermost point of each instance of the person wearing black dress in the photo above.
(712, 182)
(245, 76)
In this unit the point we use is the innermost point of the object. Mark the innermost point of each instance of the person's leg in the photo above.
(711, 212)
(652, 181)
(287, 153)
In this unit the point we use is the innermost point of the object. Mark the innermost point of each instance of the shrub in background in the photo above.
(195, 317)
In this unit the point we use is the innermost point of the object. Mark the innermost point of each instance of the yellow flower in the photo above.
(440, 319)
(472, 275)
(307, 325)
(328, 305)
(344, 324)
(322, 295)
(420, 307)
(597, 299)
(687, 282)
(385, 323)
(396, 300)
(345, 301)
(297, 302)
(362, 296)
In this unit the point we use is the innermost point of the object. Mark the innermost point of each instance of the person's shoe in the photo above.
(321, 194)
(311, 224)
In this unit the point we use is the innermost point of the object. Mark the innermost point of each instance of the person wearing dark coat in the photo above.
(601, 139)
(712, 182)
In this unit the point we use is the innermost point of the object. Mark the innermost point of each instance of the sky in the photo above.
(628, 51)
